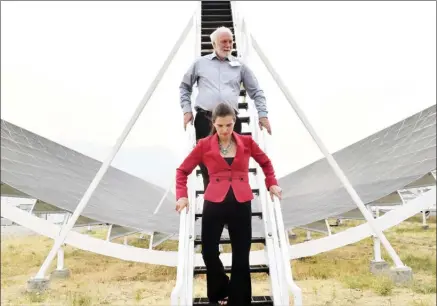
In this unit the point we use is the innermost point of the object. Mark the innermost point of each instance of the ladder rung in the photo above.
(245, 119)
(262, 240)
(256, 300)
(254, 191)
(243, 105)
(228, 269)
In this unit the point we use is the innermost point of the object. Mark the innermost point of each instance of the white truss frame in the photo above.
(170, 258)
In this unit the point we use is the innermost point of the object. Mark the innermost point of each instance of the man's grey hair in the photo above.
(219, 31)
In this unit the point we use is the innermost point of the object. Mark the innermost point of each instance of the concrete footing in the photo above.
(60, 274)
(37, 284)
(378, 267)
(401, 275)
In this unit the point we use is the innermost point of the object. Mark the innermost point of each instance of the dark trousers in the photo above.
(203, 125)
(238, 217)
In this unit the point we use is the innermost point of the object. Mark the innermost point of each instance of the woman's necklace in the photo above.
(225, 150)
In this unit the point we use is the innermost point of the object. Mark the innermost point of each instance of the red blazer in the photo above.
(221, 175)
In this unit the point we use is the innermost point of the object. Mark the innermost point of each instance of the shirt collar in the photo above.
(214, 55)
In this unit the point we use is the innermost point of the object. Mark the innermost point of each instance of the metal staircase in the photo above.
(213, 15)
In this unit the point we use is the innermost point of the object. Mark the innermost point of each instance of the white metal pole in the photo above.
(332, 162)
(163, 197)
(424, 218)
(151, 241)
(84, 201)
(328, 227)
(60, 264)
(376, 241)
(108, 234)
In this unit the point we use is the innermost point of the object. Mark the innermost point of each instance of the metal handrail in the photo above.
(274, 214)
(269, 228)
(182, 293)
(175, 294)
(284, 246)
(272, 246)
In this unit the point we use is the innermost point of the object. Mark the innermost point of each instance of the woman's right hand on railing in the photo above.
(181, 204)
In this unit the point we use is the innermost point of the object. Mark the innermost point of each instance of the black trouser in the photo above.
(202, 125)
(238, 217)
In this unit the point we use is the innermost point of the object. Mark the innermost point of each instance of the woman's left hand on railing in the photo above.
(275, 190)
(181, 204)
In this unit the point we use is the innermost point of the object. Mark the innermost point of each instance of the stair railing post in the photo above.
(332, 162)
(270, 228)
(104, 167)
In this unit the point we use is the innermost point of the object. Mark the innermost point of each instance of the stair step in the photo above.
(251, 170)
(207, 30)
(254, 214)
(221, 18)
(216, 5)
(245, 119)
(262, 240)
(256, 300)
(228, 269)
(254, 191)
(216, 11)
(243, 105)
(217, 24)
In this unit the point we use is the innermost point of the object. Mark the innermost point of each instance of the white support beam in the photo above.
(105, 165)
(163, 197)
(332, 162)
(60, 263)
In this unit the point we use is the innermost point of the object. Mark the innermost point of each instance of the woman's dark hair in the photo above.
(221, 110)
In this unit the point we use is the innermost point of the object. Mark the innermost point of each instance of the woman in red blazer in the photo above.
(227, 200)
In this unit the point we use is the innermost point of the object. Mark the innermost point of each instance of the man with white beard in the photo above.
(219, 76)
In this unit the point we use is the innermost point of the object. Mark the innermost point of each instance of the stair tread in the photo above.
(254, 214)
(245, 119)
(243, 105)
(256, 300)
(198, 240)
(228, 269)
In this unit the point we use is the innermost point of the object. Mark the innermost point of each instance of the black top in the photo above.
(229, 160)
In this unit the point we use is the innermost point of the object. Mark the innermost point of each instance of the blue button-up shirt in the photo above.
(220, 81)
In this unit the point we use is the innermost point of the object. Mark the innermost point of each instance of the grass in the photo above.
(338, 277)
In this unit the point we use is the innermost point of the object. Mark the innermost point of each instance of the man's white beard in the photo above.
(224, 54)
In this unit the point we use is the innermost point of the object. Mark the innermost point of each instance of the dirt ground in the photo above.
(339, 277)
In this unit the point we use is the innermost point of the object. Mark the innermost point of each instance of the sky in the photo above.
(74, 72)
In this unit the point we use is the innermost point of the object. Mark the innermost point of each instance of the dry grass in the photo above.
(339, 277)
